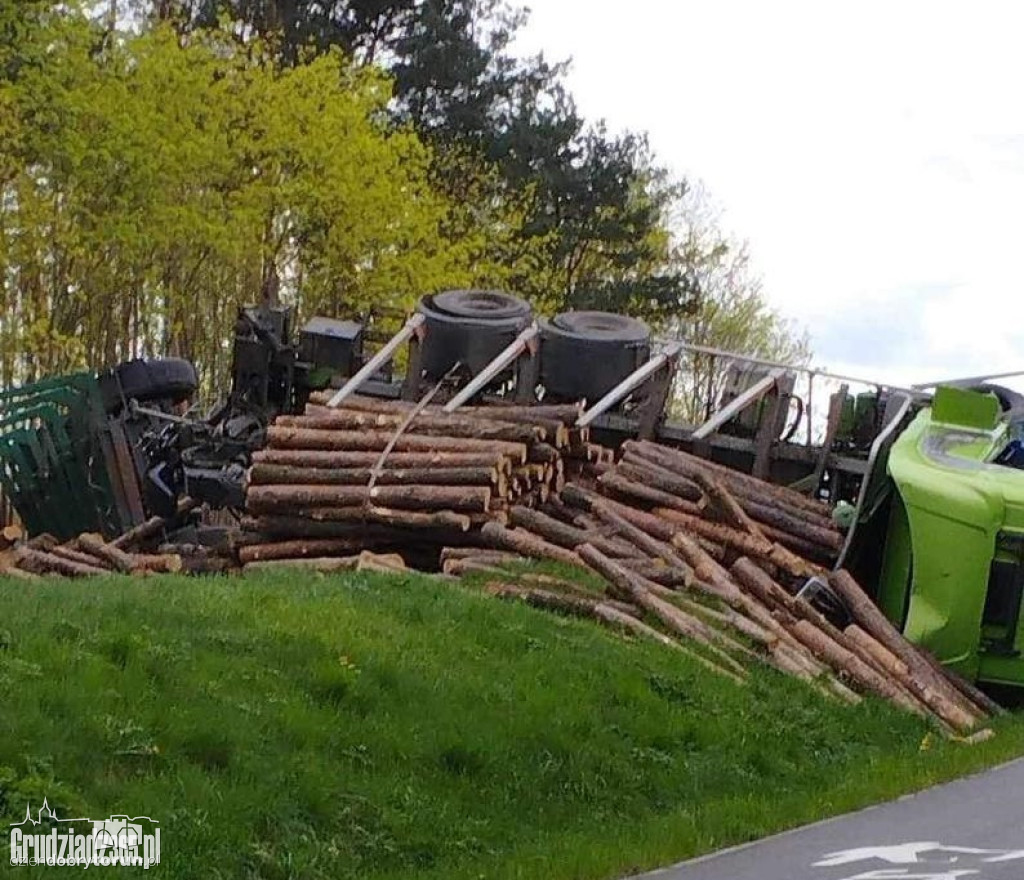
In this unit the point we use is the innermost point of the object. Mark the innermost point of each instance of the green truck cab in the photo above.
(941, 535)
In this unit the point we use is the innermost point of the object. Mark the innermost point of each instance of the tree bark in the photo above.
(285, 475)
(353, 441)
(649, 495)
(94, 545)
(429, 424)
(277, 499)
(564, 535)
(326, 459)
(870, 618)
(526, 543)
(299, 548)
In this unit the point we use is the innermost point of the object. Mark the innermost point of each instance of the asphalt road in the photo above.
(972, 828)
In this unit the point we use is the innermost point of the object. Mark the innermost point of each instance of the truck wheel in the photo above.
(1007, 397)
(146, 380)
(494, 305)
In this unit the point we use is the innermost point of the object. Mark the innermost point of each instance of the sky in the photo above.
(872, 154)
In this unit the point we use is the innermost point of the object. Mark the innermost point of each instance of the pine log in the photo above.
(633, 588)
(425, 424)
(164, 563)
(284, 475)
(641, 540)
(308, 547)
(42, 562)
(609, 615)
(326, 459)
(10, 534)
(336, 522)
(383, 563)
(868, 616)
(567, 536)
(740, 484)
(727, 506)
(846, 662)
(137, 534)
(501, 556)
(647, 474)
(952, 714)
(615, 483)
(817, 553)
(743, 543)
(44, 542)
(326, 565)
(344, 441)
(277, 499)
(15, 573)
(525, 543)
(780, 519)
(95, 545)
(69, 552)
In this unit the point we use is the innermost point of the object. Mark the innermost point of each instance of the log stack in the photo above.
(658, 543)
(385, 475)
(711, 560)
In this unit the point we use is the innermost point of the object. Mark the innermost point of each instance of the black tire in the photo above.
(603, 325)
(148, 380)
(1007, 397)
(492, 305)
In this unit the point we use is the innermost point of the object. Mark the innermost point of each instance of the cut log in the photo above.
(952, 714)
(647, 474)
(298, 549)
(137, 534)
(285, 499)
(383, 563)
(499, 556)
(342, 441)
(425, 424)
(15, 573)
(781, 520)
(848, 663)
(727, 506)
(641, 540)
(94, 545)
(525, 543)
(271, 474)
(325, 565)
(631, 587)
(617, 484)
(870, 618)
(41, 562)
(739, 484)
(567, 536)
(327, 459)
(10, 535)
(163, 563)
(68, 552)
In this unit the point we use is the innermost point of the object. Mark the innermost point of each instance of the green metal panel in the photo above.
(957, 505)
(52, 465)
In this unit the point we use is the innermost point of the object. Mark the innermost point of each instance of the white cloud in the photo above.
(873, 153)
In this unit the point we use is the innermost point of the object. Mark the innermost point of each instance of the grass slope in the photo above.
(375, 727)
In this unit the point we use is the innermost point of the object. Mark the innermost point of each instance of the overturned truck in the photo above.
(918, 474)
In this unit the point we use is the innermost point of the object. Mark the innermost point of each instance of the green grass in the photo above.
(381, 727)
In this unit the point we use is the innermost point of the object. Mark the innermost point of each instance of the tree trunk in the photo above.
(276, 499)
(525, 543)
(346, 441)
(273, 474)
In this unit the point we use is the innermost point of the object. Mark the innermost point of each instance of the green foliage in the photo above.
(373, 727)
(591, 229)
(732, 312)
(156, 184)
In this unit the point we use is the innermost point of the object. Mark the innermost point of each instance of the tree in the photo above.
(732, 312)
(155, 186)
(592, 233)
